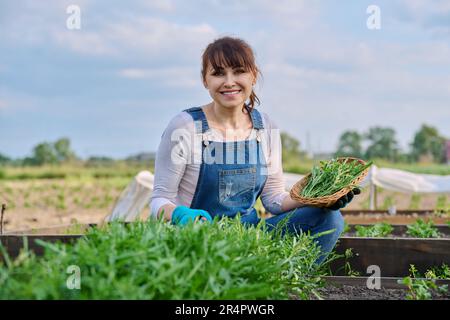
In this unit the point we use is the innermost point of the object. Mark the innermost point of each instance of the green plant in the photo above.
(156, 260)
(422, 229)
(388, 202)
(347, 267)
(346, 228)
(61, 201)
(382, 229)
(332, 176)
(441, 202)
(415, 201)
(421, 289)
(442, 272)
(8, 190)
(76, 201)
(442, 208)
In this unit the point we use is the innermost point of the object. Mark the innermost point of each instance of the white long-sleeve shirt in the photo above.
(176, 175)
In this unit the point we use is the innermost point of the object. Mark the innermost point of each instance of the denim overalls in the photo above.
(231, 173)
(232, 176)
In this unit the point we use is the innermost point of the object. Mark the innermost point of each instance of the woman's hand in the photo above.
(343, 201)
(182, 215)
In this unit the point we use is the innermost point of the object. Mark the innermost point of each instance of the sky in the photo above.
(113, 84)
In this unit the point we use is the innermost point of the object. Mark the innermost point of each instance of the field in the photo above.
(39, 197)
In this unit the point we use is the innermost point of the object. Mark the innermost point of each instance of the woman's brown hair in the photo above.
(231, 52)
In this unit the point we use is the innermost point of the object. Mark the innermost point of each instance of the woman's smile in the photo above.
(231, 94)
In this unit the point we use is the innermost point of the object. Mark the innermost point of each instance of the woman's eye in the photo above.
(220, 73)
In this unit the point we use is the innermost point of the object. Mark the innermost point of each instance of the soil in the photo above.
(346, 292)
(33, 219)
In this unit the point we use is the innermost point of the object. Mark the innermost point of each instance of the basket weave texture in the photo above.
(326, 201)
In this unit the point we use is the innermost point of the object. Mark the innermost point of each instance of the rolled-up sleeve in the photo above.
(170, 163)
(274, 191)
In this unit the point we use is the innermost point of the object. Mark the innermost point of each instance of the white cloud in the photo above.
(182, 77)
(146, 38)
(160, 5)
(83, 42)
(433, 16)
(112, 33)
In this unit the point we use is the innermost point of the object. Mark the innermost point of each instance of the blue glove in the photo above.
(182, 215)
(343, 201)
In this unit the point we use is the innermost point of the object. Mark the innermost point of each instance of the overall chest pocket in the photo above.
(236, 187)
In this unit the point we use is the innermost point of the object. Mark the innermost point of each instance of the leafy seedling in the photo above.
(378, 230)
(422, 229)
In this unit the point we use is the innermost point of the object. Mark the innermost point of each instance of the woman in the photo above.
(217, 159)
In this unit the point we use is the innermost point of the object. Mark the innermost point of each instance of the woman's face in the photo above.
(229, 87)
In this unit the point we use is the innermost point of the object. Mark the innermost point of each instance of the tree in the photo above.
(350, 145)
(62, 150)
(428, 141)
(383, 144)
(99, 161)
(51, 153)
(291, 147)
(44, 153)
(4, 160)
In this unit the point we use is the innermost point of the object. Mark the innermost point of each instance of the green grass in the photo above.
(119, 170)
(156, 260)
(415, 202)
(442, 205)
(388, 202)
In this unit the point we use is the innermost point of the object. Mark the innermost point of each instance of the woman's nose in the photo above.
(229, 79)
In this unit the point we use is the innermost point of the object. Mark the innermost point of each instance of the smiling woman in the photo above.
(186, 192)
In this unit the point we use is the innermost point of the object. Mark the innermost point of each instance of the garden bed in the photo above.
(393, 255)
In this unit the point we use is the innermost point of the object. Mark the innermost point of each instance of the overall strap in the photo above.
(256, 118)
(200, 119)
(201, 124)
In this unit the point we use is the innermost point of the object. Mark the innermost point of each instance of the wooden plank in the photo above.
(52, 230)
(14, 243)
(392, 255)
(399, 212)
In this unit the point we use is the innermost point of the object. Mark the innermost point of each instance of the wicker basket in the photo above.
(327, 200)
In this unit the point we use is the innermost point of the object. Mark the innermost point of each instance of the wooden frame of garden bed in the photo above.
(393, 255)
